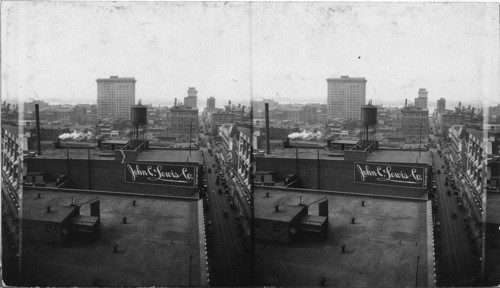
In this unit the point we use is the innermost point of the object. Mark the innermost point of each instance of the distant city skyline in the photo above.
(451, 49)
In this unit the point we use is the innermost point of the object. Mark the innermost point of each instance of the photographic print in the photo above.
(237, 144)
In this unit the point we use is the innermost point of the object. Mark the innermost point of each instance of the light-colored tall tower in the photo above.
(346, 95)
(115, 96)
(192, 99)
(421, 101)
(211, 104)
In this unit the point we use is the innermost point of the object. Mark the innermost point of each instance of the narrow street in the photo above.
(228, 256)
(458, 263)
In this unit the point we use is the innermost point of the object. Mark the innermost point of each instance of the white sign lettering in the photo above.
(386, 173)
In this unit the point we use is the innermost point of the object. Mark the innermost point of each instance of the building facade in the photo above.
(12, 169)
(183, 120)
(192, 99)
(346, 95)
(414, 124)
(421, 101)
(211, 104)
(441, 105)
(115, 96)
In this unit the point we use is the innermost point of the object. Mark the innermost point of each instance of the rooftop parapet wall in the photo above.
(333, 176)
(104, 176)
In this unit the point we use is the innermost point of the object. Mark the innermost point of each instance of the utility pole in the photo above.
(190, 128)
(318, 167)
(38, 136)
(88, 157)
(67, 160)
(297, 160)
(420, 141)
(190, 263)
(416, 276)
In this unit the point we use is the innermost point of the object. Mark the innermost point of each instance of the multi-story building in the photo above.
(115, 96)
(471, 162)
(421, 101)
(314, 114)
(441, 105)
(12, 171)
(29, 107)
(218, 117)
(449, 117)
(492, 229)
(192, 99)
(346, 95)
(258, 107)
(184, 120)
(62, 115)
(10, 112)
(234, 151)
(211, 104)
(84, 114)
(239, 113)
(277, 135)
(414, 124)
(221, 117)
(292, 114)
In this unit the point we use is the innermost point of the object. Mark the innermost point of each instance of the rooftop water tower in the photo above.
(139, 119)
(369, 121)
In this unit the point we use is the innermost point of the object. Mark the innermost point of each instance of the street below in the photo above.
(457, 260)
(229, 257)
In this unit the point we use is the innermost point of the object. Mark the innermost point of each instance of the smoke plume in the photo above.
(305, 135)
(76, 135)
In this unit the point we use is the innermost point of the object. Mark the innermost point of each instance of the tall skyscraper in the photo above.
(441, 105)
(192, 99)
(421, 101)
(115, 96)
(211, 104)
(346, 95)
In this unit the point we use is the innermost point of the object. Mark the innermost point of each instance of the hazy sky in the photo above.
(55, 50)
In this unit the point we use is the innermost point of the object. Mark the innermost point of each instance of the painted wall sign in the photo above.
(161, 174)
(386, 174)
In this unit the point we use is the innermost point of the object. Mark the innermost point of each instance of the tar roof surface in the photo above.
(154, 246)
(156, 155)
(399, 156)
(382, 247)
(476, 133)
(286, 212)
(57, 214)
(170, 156)
(310, 153)
(390, 156)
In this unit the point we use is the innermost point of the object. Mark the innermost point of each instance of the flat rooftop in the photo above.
(57, 214)
(159, 155)
(286, 212)
(154, 246)
(341, 141)
(400, 156)
(381, 248)
(304, 153)
(391, 156)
